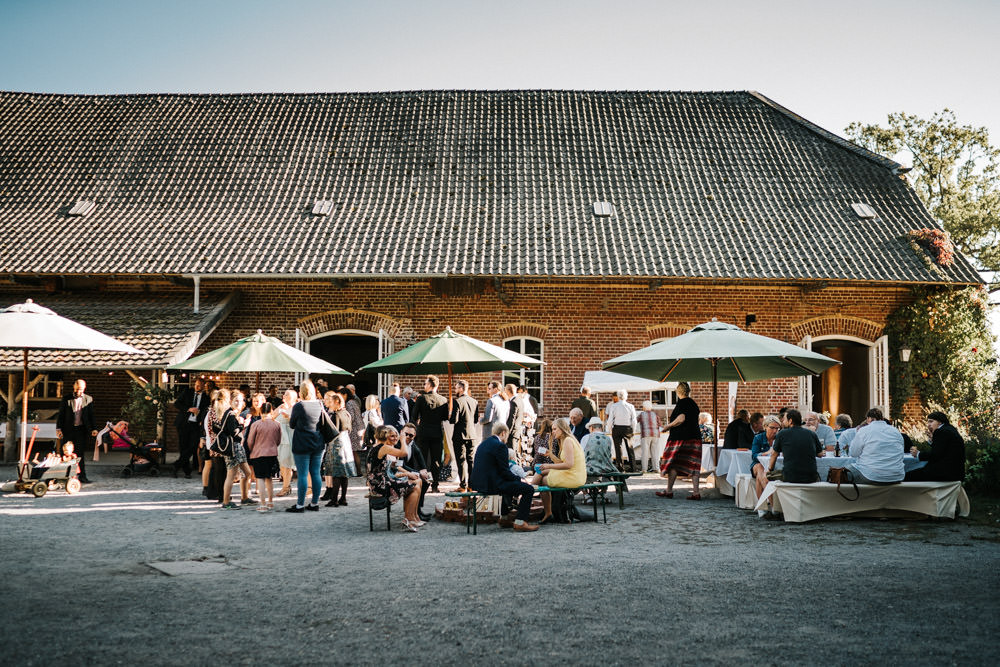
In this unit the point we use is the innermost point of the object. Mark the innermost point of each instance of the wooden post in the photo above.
(8, 441)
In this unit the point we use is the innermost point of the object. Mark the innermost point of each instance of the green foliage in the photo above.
(145, 410)
(955, 174)
(952, 363)
(982, 471)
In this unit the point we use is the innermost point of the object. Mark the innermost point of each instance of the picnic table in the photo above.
(805, 502)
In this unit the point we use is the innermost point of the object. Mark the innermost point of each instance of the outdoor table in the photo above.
(707, 459)
(805, 502)
(824, 464)
(732, 462)
(617, 477)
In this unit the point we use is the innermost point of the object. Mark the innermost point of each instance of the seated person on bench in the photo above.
(878, 450)
(569, 470)
(491, 474)
(597, 450)
(946, 460)
(800, 448)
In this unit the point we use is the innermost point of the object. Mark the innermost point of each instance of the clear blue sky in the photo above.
(832, 61)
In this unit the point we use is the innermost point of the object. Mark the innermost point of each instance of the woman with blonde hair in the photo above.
(682, 453)
(286, 460)
(390, 480)
(229, 442)
(307, 446)
(568, 470)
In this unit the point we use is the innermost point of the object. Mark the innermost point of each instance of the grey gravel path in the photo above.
(664, 582)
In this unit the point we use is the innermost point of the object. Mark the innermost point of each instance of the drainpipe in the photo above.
(197, 293)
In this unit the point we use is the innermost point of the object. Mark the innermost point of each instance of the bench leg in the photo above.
(604, 508)
(371, 519)
(475, 517)
(593, 501)
(388, 517)
(468, 517)
(621, 496)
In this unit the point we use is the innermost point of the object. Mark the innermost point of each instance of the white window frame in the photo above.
(669, 394)
(521, 372)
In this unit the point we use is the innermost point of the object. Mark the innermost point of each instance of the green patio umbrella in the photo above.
(451, 352)
(718, 351)
(258, 354)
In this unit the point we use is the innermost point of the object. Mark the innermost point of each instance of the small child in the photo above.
(514, 466)
(68, 452)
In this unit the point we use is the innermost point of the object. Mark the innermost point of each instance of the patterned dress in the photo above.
(381, 482)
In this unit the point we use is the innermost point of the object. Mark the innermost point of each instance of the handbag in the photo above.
(444, 472)
(325, 427)
(223, 443)
(840, 476)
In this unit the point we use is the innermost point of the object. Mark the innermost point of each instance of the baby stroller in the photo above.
(142, 458)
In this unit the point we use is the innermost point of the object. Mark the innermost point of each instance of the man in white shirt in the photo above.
(622, 423)
(878, 451)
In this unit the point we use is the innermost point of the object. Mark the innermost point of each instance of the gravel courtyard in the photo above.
(665, 581)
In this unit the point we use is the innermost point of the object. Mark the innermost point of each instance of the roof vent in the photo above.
(603, 209)
(322, 207)
(82, 207)
(864, 211)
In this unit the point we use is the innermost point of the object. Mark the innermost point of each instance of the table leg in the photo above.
(475, 518)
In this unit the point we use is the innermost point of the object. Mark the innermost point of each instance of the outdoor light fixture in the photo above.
(904, 353)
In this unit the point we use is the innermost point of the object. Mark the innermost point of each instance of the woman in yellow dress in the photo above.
(569, 470)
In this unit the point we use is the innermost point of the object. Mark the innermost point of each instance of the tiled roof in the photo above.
(165, 328)
(448, 183)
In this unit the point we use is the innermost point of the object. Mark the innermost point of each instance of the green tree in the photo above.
(955, 173)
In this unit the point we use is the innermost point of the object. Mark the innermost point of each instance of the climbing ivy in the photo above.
(952, 362)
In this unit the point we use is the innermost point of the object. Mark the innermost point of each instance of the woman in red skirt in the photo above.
(682, 453)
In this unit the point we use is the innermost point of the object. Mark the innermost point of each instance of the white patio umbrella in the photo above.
(28, 326)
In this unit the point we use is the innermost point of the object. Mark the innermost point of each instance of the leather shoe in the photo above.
(423, 516)
(84, 480)
(312, 508)
(525, 527)
(332, 503)
(295, 510)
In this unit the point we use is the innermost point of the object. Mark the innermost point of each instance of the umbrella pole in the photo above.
(715, 410)
(24, 409)
(450, 389)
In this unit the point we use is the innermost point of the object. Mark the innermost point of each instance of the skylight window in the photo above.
(864, 211)
(603, 209)
(82, 207)
(322, 207)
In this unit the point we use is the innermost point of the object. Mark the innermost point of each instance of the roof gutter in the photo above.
(313, 276)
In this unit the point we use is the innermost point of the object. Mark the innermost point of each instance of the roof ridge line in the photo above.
(880, 160)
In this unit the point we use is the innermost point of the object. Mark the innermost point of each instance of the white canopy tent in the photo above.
(606, 381)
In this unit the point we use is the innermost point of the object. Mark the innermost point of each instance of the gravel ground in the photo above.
(663, 581)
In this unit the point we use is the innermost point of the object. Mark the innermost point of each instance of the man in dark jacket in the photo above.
(395, 411)
(192, 406)
(491, 474)
(739, 433)
(586, 405)
(75, 423)
(946, 460)
(430, 412)
(464, 415)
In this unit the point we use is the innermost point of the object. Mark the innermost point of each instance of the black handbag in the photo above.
(223, 443)
(325, 427)
(444, 472)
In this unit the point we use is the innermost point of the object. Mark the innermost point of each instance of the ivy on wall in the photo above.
(952, 362)
(145, 410)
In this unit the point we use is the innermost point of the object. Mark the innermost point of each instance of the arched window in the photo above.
(531, 378)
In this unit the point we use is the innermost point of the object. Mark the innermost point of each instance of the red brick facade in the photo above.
(580, 323)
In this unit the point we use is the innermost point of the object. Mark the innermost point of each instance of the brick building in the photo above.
(574, 226)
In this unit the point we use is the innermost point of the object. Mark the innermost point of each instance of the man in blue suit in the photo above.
(395, 411)
(491, 474)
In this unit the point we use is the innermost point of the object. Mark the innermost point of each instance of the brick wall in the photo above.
(581, 323)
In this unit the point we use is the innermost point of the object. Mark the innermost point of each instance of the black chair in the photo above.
(377, 504)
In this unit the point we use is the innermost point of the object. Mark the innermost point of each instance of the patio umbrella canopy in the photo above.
(717, 351)
(451, 352)
(28, 326)
(259, 354)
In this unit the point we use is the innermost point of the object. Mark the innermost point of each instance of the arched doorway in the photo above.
(350, 349)
(843, 388)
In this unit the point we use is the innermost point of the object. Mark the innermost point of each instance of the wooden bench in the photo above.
(621, 477)
(470, 507)
(594, 489)
(806, 502)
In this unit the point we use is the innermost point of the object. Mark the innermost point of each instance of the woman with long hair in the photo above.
(229, 443)
(263, 438)
(336, 466)
(568, 470)
(286, 460)
(307, 446)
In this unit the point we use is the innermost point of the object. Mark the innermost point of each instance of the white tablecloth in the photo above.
(805, 502)
(707, 460)
(732, 462)
(824, 464)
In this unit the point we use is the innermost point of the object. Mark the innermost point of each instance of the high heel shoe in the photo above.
(409, 526)
(547, 520)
